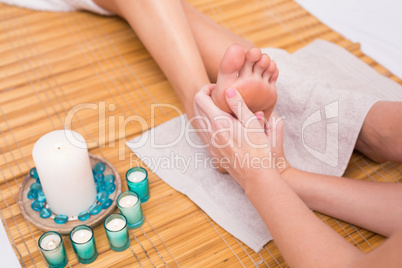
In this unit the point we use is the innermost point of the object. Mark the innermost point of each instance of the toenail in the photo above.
(231, 92)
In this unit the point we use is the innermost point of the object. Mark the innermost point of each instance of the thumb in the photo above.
(239, 107)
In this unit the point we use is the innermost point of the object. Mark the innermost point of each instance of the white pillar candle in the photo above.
(128, 201)
(82, 236)
(136, 176)
(62, 161)
(115, 225)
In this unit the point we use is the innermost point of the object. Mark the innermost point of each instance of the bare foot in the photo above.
(253, 74)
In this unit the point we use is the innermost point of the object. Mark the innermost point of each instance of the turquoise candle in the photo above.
(83, 241)
(137, 181)
(52, 247)
(117, 232)
(130, 206)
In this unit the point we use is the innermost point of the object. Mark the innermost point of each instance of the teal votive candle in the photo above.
(137, 181)
(130, 206)
(83, 241)
(117, 232)
(52, 247)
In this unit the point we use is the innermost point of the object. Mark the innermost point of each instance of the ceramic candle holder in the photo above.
(52, 247)
(83, 241)
(117, 232)
(130, 206)
(137, 181)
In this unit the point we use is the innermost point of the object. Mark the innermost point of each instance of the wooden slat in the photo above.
(51, 62)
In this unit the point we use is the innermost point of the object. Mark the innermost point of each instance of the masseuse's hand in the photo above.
(241, 143)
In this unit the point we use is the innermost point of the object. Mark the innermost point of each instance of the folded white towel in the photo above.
(324, 92)
(59, 5)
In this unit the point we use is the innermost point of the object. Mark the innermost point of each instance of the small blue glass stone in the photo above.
(36, 186)
(109, 179)
(34, 173)
(61, 219)
(101, 197)
(95, 209)
(99, 168)
(32, 194)
(101, 186)
(41, 197)
(107, 203)
(37, 205)
(99, 177)
(110, 188)
(45, 213)
(84, 215)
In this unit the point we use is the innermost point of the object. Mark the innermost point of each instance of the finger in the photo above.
(203, 104)
(260, 117)
(276, 125)
(207, 89)
(239, 108)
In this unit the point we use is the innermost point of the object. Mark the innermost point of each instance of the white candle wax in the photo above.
(128, 201)
(115, 225)
(54, 252)
(82, 236)
(50, 242)
(136, 176)
(62, 161)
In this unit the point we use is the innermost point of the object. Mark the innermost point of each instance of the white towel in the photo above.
(320, 83)
(58, 5)
(325, 93)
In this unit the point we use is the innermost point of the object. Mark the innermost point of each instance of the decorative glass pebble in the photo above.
(101, 197)
(99, 177)
(95, 209)
(109, 179)
(45, 213)
(84, 215)
(36, 186)
(101, 186)
(99, 167)
(37, 205)
(60, 219)
(107, 203)
(110, 188)
(41, 197)
(105, 185)
(32, 194)
(34, 173)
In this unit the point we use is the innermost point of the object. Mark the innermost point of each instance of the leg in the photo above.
(177, 55)
(212, 39)
(190, 41)
(381, 135)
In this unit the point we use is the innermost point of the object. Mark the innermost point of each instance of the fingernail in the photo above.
(231, 92)
(260, 115)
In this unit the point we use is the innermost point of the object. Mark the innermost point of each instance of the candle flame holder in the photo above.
(49, 223)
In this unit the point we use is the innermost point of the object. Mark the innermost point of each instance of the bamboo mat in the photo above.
(51, 62)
